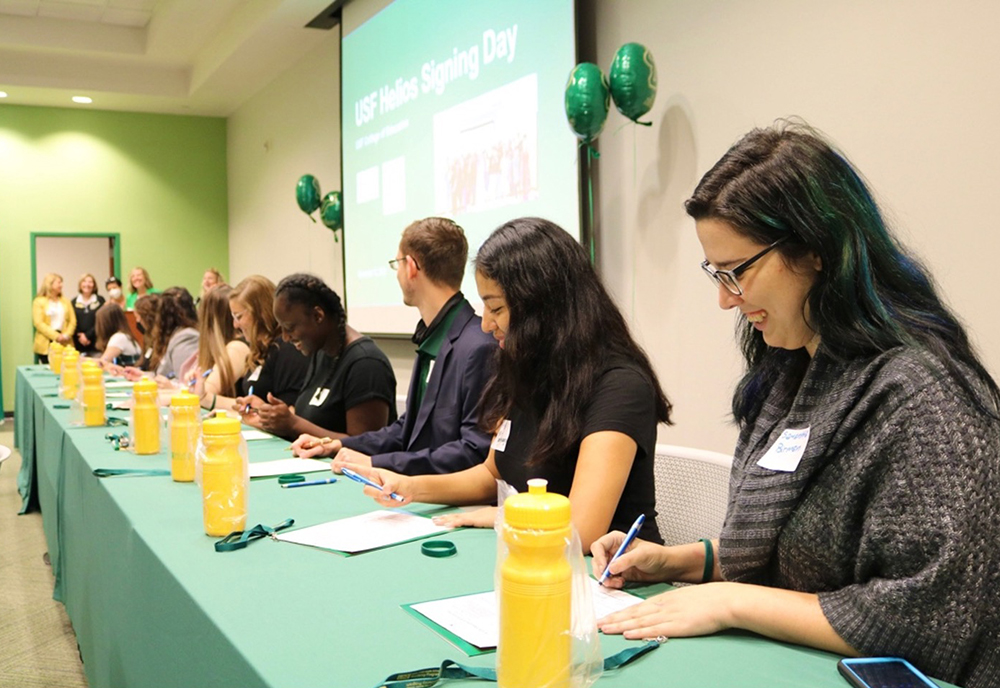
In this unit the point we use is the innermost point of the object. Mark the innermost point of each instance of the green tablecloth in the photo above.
(154, 605)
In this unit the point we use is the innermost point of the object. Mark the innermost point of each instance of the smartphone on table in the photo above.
(883, 672)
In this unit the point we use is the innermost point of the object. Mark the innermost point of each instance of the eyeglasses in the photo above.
(394, 263)
(730, 278)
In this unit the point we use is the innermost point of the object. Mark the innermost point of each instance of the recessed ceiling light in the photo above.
(82, 99)
(3, 94)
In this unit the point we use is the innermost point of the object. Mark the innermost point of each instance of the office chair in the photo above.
(692, 488)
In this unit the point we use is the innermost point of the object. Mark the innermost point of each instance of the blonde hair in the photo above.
(46, 288)
(79, 285)
(256, 295)
(145, 276)
(215, 331)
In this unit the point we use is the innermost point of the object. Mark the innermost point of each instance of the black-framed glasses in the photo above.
(394, 263)
(729, 279)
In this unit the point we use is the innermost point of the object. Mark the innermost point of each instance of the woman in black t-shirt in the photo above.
(273, 365)
(349, 388)
(572, 398)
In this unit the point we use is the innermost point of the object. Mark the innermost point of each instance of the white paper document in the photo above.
(367, 531)
(251, 435)
(118, 384)
(476, 618)
(262, 469)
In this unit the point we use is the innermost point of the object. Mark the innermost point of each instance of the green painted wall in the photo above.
(159, 181)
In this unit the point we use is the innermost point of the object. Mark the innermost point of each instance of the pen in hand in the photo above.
(194, 380)
(305, 483)
(348, 473)
(249, 394)
(632, 532)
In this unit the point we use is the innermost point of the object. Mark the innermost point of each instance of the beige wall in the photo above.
(290, 128)
(907, 88)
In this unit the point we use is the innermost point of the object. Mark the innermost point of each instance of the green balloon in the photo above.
(332, 211)
(587, 101)
(633, 80)
(307, 194)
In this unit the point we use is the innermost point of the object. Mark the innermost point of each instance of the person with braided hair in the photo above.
(350, 387)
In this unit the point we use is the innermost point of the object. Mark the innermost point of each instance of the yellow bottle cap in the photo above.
(92, 374)
(220, 425)
(55, 346)
(184, 399)
(144, 385)
(537, 508)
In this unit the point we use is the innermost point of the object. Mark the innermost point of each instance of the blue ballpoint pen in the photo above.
(194, 379)
(632, 532)
(348, 473)
(305, 483)
(249, 394)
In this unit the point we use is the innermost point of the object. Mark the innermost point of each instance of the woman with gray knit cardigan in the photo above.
(864, 503)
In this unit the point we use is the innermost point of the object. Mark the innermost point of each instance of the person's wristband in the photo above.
(709, 570)
(214, 399)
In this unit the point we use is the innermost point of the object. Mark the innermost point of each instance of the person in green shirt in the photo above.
(139, 284)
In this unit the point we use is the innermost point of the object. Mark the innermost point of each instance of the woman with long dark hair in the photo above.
(572, 399)
(349, 388)
(865, 494)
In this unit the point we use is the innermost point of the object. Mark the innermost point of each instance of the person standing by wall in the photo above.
(85, 307)
(139, 284)
(53, 317)
(113, 286)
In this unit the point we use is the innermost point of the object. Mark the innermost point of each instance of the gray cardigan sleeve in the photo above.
(928, 556)
(182, 344)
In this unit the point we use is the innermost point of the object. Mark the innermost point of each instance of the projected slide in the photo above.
(450, 108)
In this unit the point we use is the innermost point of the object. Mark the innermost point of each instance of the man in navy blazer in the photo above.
(438, 433)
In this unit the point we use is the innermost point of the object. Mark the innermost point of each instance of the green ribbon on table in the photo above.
(241, 538)
(131, 472)
(425, 678)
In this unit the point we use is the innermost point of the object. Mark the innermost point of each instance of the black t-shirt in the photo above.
(361, 373)
(282, 374)
(622, 401)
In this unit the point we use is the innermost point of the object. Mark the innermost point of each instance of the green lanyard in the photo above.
(242, 538)
(425, 678)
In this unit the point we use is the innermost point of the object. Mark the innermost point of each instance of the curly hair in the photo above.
(176, 311)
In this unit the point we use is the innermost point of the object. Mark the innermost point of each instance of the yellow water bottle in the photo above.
(55, 357)
(93, 395)
(145, 417)
(535, 591)
(222, 459)
(70, 374)
(185, 427)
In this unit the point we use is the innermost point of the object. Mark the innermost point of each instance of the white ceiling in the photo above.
(194, 57)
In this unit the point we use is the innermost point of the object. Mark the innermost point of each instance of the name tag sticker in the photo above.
(255, 375)
(786, 453)
(499, 442)
(319, 397)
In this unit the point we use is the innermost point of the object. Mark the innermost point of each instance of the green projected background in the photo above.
(451, 108)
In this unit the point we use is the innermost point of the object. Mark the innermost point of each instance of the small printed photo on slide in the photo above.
(367, 185)
(394, 186)
(486, 150)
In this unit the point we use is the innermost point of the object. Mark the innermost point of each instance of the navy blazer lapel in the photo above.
(434, 383)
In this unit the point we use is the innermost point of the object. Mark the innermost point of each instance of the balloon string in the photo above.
(590, 206)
